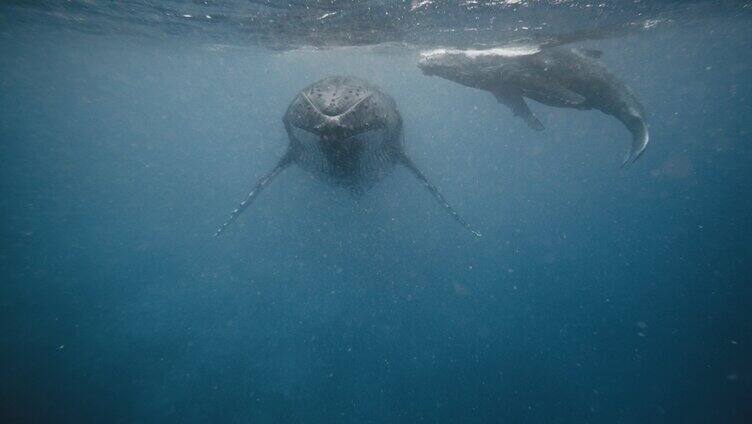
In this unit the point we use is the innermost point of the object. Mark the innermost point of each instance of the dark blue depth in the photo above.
(595, 295)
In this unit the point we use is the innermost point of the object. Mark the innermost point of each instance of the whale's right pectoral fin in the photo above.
(263, 182)
(516, 103)
(435, 192)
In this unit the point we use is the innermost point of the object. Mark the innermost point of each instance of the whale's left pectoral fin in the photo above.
(539, 86)
(516, 103)
(435, 192)
(263, 182)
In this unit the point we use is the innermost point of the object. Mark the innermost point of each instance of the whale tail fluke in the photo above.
(640, 137)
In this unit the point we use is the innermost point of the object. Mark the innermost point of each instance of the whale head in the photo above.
(337, 108)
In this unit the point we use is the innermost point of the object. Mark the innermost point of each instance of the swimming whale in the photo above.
(348, 133)
(555, 76)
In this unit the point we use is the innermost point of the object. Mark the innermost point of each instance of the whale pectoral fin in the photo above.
(435, 192)
(640, 138)
(539, 87)
(519, 107)
(263, 182)
(552, 93)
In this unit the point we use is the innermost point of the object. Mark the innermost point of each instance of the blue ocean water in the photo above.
(596, 294)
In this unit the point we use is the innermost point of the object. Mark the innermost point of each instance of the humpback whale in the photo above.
(348, 133)
(552, 75)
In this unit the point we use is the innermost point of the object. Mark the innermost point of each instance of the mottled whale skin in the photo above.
(555, 76)
(348, 133)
